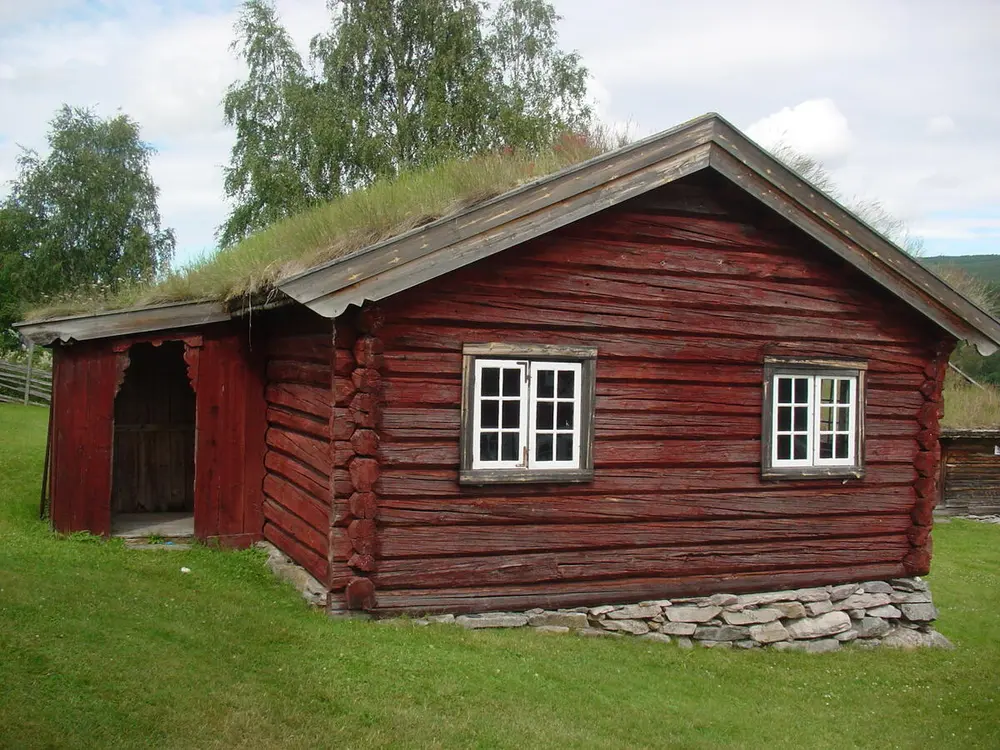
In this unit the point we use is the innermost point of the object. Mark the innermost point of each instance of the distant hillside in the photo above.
(985, 267)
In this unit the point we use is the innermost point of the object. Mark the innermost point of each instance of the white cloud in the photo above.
(959, 228)
(940, 125)
(816, 128)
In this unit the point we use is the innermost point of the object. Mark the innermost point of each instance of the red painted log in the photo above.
(288, 419)
(362, 535)
(343, 360)
(295, 527)
(368, 352)
(367, 380)
(296, 371)
(309, 347)
(363, 563)
(305, 398)
(312, 453)
(365, 442)
(925, 487)
(929, 414)
(363, 505)
(360, 594)
(926, 463)
(918, 560)
(364, 474)
(299, 474)
(364, 410)
(299, 552)
(928, 438)
(918, 535)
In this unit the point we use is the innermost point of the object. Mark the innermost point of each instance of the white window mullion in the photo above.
(494, 393)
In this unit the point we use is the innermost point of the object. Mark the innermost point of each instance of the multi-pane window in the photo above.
(528, 417)
(813, 416)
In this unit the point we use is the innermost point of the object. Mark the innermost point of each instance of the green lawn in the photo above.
(100, 647)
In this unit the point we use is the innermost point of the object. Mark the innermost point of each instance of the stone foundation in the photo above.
(897, 613)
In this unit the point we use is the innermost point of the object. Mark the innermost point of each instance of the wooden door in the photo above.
(154, 433)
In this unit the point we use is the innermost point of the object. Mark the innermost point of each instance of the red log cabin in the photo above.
(673, 369)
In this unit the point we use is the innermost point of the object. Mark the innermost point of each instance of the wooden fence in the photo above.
(25, 384)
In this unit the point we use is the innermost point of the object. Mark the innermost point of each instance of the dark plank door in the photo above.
(154, 433)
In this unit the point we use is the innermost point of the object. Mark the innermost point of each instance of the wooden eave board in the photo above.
(122, 322)
(974, 433)
(708, 142)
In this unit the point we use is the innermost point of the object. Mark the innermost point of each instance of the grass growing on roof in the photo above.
(105, 647)
(969, 406)
(332, 230)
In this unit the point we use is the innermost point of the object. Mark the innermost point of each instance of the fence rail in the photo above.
(25, 384)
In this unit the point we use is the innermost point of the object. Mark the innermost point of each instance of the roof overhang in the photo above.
(121, 322)
(709, 142)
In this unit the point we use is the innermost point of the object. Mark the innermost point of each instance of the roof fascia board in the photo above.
(840, 230)
(498, 212)
(121, 322)
(380, 279)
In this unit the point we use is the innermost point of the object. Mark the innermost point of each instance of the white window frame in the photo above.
(815, 371)
(814, 430)
(528, 398)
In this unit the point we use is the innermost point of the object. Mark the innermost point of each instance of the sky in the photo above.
(900, 99)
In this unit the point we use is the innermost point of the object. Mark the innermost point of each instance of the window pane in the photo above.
(508, 444)
(826, 446)
(543, 447)
(488, 446)
(489, 414)
(564, 447)
(511, 382)
(546, 383)
(842, 446)
(784, 418)
(511, 414)
(826, 418)
(844, 395)
(543, 415)
(801, 391)
(564, 415)
(801, 444)
(491, 381)
(784, 447)
(785, 390)
(843, 418)
(565, 389)
(826, 390)
(801, 418)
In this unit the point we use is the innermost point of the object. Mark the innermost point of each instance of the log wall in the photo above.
(298, 460)
(971, 474)
(683, 292)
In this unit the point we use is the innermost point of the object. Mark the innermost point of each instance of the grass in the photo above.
(105, 647)
(970, 407)
(351, 222)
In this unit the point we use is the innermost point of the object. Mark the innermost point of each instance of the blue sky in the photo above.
(899, 99)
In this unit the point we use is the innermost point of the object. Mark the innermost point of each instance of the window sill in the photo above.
(814, 472)
(476, 477)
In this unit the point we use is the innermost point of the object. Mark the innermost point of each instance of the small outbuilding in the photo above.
(970, 471)
(674, 369)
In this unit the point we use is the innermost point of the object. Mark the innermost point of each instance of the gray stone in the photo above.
(792, 610)
(551, 629)
(661, 603)
(752, 616)
(876, 587)
(722, 633)
(817, 627)
(684, 642)
(846, 636)
(886, 611)
(862, 601)
(723, 600)
(909, 584)
(659, 618)
(534, 611)
(602, 610)
(843, 591)
(597, 633)
(634, 612)
(868, 644)
(919, 612)
(939, 641)
(678, 628)
(492, 620)
(821, 646)
(716, 644)
(819, 608)
(561, 619)
(691, 614)
(771, 632)
(441, 619)
(905, 639)
(766, 598)
(871, 627)
(657, 637)
(812, 595)
(747, 644)
(635, 627)
(917, 597)
(856, 614)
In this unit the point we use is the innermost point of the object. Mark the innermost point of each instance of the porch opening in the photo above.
(152, 490)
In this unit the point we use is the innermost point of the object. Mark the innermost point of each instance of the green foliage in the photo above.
(101, 646)
(397, 85)
(82, 218)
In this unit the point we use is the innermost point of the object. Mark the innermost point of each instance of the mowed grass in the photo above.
(104, 647)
